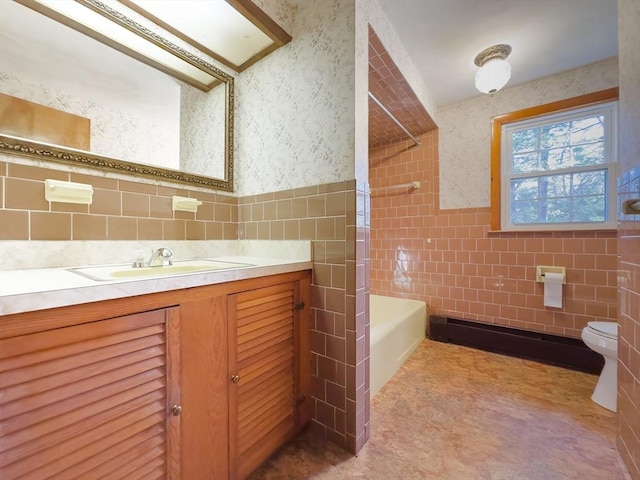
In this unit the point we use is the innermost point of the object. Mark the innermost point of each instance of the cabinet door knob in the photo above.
(235, 378)
(176, 410)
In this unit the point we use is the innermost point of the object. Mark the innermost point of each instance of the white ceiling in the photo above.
(442, 37)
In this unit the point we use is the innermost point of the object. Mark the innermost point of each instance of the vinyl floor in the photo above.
(455, 413)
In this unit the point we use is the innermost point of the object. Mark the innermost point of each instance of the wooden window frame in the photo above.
(498, 121)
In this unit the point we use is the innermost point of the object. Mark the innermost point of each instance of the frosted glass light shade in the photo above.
(493, 75)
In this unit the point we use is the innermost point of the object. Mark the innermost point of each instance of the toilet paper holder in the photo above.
(542, 269)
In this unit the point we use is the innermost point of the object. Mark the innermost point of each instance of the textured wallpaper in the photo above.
(465, 129)
(361, 87)
(143, 136)
(202, 126)
(295, 109)
(280, 11)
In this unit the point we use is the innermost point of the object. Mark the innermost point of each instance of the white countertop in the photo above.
(39, 289)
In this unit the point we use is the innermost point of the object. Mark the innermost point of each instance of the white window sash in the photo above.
(609, 111)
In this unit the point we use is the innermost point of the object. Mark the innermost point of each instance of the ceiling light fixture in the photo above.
(494, 71)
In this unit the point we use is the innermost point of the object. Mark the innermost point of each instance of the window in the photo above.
(557, 169)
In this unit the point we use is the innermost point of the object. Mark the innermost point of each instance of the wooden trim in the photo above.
(265, 23)
(496, 135)
(173, 379)
(261, 20)
(204, 387)
(496, 140)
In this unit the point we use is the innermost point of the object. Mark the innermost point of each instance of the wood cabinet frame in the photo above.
(197, 344)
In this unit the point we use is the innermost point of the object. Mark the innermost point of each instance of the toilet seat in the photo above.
(605, 329)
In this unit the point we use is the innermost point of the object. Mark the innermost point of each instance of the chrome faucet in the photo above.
(161, 258)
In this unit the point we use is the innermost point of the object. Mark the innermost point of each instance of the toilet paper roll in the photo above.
(553, 289)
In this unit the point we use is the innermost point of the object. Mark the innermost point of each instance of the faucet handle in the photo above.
(138, 259)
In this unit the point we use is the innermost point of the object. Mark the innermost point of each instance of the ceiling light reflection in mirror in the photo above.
(81, 17)
(213, 26)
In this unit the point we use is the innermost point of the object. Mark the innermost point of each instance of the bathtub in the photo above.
(397, 328)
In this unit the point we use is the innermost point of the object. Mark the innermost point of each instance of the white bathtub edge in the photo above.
(394, 340)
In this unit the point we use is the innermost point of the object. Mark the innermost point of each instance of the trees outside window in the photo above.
(557, 170)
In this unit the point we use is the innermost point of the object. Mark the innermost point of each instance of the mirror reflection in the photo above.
(83, 101)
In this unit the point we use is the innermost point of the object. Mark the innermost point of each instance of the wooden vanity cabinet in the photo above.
(204, 389)
(90, 400)
(269, 362)
(146, 387)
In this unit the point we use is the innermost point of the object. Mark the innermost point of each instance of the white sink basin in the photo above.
(181, 267)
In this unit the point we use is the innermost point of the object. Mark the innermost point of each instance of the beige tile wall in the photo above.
(334, 217)
(121, 210)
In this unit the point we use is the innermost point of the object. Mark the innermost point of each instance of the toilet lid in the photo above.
(608, 329)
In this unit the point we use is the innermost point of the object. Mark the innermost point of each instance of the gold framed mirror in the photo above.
(204, 93)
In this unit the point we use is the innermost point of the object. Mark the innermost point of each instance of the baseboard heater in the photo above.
(542, 347)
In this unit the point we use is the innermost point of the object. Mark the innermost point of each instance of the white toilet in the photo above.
(602, 337)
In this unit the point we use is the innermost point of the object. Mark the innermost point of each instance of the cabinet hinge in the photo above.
(299, 306)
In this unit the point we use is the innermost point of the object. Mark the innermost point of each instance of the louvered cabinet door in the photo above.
(90, 401)
(263, 374)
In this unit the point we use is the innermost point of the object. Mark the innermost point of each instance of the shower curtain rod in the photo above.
(395, 120)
